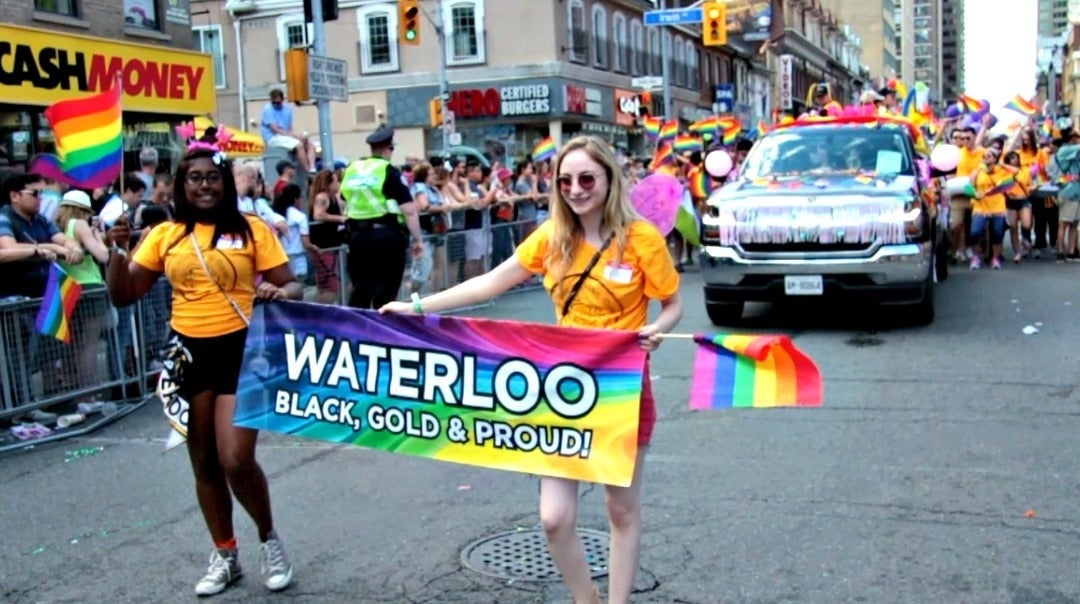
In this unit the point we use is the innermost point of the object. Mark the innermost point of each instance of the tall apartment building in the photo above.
(874, 22)
(952, 49)
(1053, 17)
(57, 49)
(904, 22)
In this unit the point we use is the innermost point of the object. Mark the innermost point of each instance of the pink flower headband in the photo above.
(221, 137)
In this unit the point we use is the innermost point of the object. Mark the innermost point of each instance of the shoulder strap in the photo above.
(585, 274)
(202, 261)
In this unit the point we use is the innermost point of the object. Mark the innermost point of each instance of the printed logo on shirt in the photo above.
(230, 242)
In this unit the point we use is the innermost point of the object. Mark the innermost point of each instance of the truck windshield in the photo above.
(823, 150)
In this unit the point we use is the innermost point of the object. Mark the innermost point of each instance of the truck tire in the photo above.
(922, 312)
(724, 313)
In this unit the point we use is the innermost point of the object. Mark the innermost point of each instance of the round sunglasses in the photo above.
(587, 181)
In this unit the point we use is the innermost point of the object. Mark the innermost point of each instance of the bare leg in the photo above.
(624, 518)
(211, 487)
(236, 450)
(1014, 235)
(558, 516)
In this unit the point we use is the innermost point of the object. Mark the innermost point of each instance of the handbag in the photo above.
(584, 275)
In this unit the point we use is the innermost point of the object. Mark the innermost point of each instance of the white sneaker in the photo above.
(224, 570)
(276, 569)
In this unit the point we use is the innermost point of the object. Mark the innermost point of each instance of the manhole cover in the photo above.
(523, 555)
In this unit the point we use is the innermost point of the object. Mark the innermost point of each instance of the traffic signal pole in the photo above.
(665, 69)
(325, 135)
(444, 83)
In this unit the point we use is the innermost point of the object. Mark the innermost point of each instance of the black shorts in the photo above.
(215, 364)
(1017, 204)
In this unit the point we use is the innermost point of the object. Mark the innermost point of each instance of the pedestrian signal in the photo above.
(409, 22)
(435, 108)
(713, 24)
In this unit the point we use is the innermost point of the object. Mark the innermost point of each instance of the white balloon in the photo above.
(718, 163)
(945, 158)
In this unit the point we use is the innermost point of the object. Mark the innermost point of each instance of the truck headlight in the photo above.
(914, 219)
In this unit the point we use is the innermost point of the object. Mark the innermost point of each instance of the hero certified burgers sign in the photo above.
(507, 101)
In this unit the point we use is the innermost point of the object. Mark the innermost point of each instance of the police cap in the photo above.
(382, 136)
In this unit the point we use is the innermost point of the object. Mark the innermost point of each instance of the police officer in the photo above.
(378, 208)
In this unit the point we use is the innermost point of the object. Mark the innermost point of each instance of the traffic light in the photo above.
(713, 24)
(329, 11)
(435, 112)
(297, 88)
(409, 22)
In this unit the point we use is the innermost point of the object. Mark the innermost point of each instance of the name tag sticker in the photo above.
(228, 242)
(621, 273)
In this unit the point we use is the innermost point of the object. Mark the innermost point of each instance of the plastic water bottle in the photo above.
(420, 271)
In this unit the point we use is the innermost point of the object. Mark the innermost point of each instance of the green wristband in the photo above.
(416, 304)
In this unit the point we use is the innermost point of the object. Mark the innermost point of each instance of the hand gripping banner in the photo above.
(525, 397)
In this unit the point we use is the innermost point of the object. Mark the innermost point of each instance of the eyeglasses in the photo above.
(586, 180)
(32, 192)
(198, 178)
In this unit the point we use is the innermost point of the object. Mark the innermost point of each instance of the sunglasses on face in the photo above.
(32, 192)
(586, 180)
(197, 178)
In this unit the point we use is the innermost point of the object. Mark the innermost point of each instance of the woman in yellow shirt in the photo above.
(211, 256)
(592, 224)
(988, 208)
(1018, 204)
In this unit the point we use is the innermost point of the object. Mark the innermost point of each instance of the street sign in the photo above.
(647, 82)
(455, 138)
(724, 98)
(787, 82)
(674, 16)
(328, 79)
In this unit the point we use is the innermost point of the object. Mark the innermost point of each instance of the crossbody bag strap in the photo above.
(585, 274)
(202, 261)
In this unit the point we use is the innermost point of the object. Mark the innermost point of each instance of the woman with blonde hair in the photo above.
(594, 235)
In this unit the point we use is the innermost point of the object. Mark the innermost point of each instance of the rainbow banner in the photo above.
(89, 141)
(57, 305)
(752, 371)
(453, 389)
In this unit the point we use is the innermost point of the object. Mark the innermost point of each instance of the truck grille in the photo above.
(804, 248)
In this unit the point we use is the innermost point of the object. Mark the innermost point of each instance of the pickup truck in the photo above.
(824, 211)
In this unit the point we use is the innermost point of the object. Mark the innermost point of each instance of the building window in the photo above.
(69, 8)
(620, 62)
(141, 13)
(655, 57)
(638, 59)
(693, 66)
(575, 25)
(600, 39)
(378, 38)
(678, 63)
(207, 39)
(292, 32)
(466, 39)
(669, 43)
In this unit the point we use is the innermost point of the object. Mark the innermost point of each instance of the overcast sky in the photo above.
(999, 37)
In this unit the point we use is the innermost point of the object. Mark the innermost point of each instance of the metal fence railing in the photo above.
(114, 352)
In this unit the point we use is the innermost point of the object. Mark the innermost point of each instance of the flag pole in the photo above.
(120, 90)
(676, 336)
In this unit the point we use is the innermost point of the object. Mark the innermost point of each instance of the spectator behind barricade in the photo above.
(327, 233)
(51, 192)
(286, 171)
(29, 242)
(125, 203)
(148, 164)
(427, 191)
(477, 219)
(502, 214)
(527, 188)
(297, 239)
(91, 311)
(250, 201)
(543, 187)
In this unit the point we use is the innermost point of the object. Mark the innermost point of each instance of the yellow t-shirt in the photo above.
(199, 309)
(989, 204)
(969, 161)
(612, 297)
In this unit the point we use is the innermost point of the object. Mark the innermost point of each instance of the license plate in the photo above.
(803, 285)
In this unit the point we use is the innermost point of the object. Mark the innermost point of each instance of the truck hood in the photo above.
(845, 185)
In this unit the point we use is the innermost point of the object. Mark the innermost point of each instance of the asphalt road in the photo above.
(942, 468)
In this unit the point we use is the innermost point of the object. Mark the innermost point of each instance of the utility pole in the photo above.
(665, 70)
(444, 83)
(325, 138)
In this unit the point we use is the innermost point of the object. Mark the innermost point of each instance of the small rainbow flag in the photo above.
(700, 184)
(731, 132)
(663, 156)
(1021, 105)
(669, 130)
(89, 141)
(688, 143)
(1003, 185)
(545, 149)
(972, 105)
(652, 126)
(753, 371)
(57, 305)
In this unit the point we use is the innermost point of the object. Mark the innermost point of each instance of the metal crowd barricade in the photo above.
(38, 371)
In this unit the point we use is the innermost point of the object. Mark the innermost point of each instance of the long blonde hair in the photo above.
(65, 213)
(568, 233)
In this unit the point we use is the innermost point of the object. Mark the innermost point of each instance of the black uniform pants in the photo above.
(376, 265)
(1044, 212)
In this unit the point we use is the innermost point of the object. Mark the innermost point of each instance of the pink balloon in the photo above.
(657, 198)
(719, 163)
(945, 158)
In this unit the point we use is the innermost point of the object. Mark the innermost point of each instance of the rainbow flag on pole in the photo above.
(1021, 105)
(57, 305)
(89, 141)
(544, 150)
(752, 371)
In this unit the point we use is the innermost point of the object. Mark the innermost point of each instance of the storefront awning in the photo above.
(242, 144)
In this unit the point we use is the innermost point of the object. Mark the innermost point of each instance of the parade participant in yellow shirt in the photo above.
(988, 208)
(1018, 204)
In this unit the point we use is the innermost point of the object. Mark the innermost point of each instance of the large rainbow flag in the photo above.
(58, 304)
(89, 141)
(753, 371)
